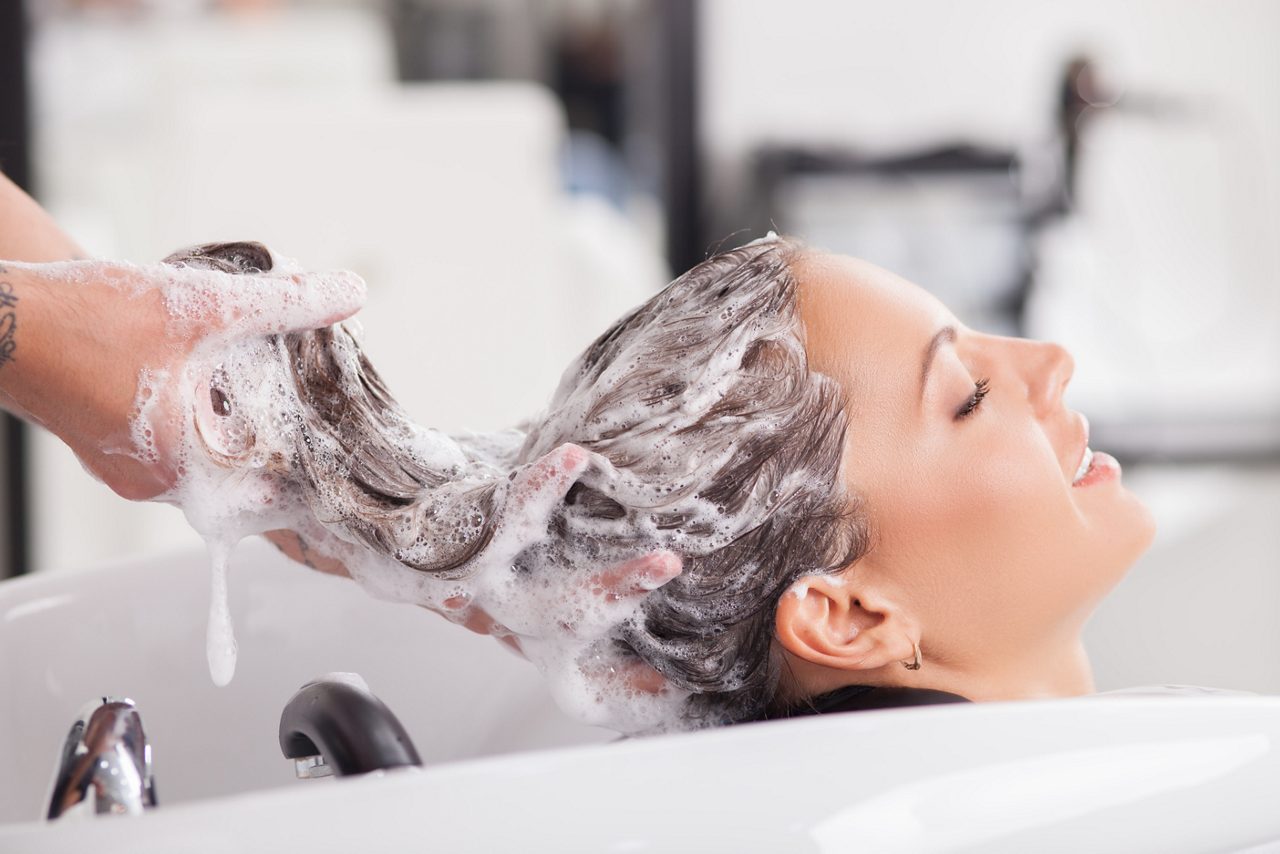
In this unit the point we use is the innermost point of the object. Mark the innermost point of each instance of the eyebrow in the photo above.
(945, 334)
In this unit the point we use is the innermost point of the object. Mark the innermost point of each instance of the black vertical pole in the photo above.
(15, 162)
(686, 241)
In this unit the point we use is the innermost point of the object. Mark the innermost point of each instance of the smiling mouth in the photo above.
(1094, 468)
(1086, 455)
(1084, 465)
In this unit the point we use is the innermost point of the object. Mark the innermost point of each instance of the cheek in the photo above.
(991, 530)
(990, 476)
(1000, 505)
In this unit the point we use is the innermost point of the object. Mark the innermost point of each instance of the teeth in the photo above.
(1084, 465)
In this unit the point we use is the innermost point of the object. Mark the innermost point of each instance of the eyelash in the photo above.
(980, 391)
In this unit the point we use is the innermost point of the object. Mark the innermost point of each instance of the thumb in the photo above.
(269, 305)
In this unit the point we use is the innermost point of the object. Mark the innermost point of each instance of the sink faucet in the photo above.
(106, 763)
(336, 724)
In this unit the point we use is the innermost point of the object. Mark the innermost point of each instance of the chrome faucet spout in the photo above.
(105, 766)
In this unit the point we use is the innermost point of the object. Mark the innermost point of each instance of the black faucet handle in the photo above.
(337, 725)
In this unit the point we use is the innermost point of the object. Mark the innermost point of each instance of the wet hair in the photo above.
(713, 438)
(765, 447)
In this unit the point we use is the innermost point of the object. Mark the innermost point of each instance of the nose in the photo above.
(1049, 371)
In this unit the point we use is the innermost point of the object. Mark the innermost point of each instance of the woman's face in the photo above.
(980, 536)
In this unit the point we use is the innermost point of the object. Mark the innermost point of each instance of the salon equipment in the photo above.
(1185, 775)
(105, 766)
(953, 218)
(335, 725)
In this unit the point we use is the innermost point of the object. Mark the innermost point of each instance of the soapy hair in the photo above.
(710, 436)
(762, 442)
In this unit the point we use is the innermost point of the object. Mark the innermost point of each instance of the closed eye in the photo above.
(975, 400)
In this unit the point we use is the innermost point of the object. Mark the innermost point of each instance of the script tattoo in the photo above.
(304, 551)
(307, 560)
(8, 321)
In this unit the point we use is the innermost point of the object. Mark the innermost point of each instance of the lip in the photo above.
(1104, 469)
(1084, 446)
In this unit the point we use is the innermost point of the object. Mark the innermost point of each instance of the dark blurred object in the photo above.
(587, 74)
(1076, 96)
(1081, 94)
(951, 218)
(332, 726)
(15, 162)
(443, 41)
(959, 219)
(662, 130)
(626, 73)
(15, 131)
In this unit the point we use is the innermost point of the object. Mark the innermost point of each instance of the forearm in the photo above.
(27, 232)
(63, 364)
(34, 345)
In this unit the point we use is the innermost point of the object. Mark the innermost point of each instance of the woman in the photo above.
(993, 547)
(939, 512)
(864, 492)
(840, 509)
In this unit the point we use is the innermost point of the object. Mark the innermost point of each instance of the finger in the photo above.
(458, 610)
(632, 674)
(636, 577)
(479, 621)
(296, 548)
(261, 305)
(514, 642)
(543, 484)
(286, 542)
(641, 676)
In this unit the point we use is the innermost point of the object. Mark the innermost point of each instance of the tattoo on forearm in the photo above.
(304, 551)
(8, 322)
(307, 560)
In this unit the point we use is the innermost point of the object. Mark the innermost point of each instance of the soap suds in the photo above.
(267, 437)
(220, 639)
(237, 453)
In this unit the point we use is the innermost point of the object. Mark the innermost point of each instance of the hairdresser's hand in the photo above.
(535, 492)
(635, 577)
(75, 338)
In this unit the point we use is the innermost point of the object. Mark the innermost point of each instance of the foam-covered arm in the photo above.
(76, 337)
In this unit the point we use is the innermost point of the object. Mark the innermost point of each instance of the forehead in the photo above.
(863, 324)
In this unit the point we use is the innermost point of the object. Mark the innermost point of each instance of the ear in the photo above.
(839, 624)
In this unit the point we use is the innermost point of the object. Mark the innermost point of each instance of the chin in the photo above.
(1144, 524)
(1132, 534)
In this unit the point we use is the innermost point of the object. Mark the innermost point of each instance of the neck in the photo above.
(1062, 670)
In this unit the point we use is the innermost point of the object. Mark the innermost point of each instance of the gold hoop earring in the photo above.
(913, 665)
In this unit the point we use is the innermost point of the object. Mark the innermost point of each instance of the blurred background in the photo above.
(510, 175)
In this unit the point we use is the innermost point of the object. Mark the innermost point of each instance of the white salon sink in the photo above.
(505, 772)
